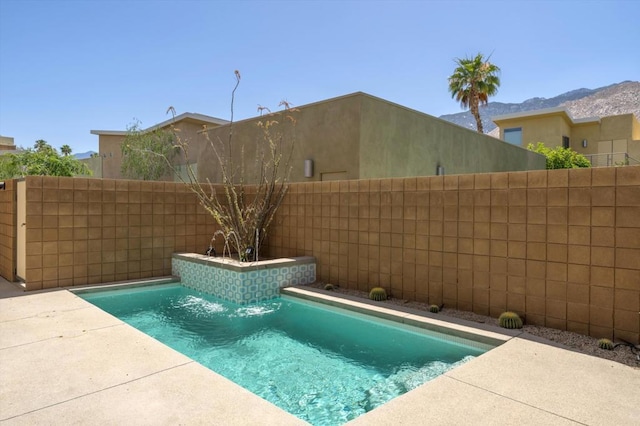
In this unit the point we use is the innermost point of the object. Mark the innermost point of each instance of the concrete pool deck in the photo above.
(64, 361)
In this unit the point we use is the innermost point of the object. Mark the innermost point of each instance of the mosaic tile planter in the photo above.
(238, 282)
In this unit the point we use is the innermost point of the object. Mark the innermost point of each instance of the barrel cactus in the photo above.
(434, 308)
(605, 344)
(510, 320)
(378, 293)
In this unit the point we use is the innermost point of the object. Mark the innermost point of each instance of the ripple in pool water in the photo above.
(324, 365)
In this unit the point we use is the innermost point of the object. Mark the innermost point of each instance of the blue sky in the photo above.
(68, 67)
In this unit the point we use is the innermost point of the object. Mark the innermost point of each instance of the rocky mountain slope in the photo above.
(83, 155)
(620, 98)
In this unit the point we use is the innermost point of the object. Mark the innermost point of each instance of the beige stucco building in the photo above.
(605, 141)
(110, 142)
(7, 144)
(356, 136)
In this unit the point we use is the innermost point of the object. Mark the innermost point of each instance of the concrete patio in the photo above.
(64, 361)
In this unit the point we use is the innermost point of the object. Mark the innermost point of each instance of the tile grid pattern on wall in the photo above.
(561, 247)
(86, 231)
(241, 287)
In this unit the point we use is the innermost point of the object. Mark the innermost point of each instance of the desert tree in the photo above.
(252, 185)
(472, 82)
(42, 160)
(147, 154)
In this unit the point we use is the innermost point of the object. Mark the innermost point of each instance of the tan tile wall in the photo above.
(87, 231)
(560, 247)
(8, 230)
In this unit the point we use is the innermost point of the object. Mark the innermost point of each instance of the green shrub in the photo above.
(434, 308)
(510, 320)
(147, 154)
(329, 287)
(605, 344)
(41, 160)
(378, 293)
(559, 157)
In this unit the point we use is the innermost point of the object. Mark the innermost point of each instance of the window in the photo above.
(565, 141)
(513, 135)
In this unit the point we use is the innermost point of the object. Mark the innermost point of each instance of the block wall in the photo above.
(87, 231)
(561, 247)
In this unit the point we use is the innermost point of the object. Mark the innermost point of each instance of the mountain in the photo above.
(83, 155)
(620, 98)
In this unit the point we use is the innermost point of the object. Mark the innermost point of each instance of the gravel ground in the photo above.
(578, 342)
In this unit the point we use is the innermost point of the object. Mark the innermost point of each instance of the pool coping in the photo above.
(421, 319)
(237, 266)
(93, 288)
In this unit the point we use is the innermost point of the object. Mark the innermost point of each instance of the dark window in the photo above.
(565, 141)
(513, 135)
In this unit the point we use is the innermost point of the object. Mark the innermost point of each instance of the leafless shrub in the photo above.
(246, 199)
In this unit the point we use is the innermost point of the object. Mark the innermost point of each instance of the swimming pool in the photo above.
(323, 364)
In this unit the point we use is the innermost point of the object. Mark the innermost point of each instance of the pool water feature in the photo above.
(322, 364)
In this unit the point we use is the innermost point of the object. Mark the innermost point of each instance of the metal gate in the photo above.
(21, 226)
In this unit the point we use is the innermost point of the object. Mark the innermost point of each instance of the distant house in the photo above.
(356, 136)
(7, 145)
(605, 141)
(109, 157)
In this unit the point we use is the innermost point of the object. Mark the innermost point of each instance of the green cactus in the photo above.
(378, 293)
(434, 308)
(329, 287)
(605, 344)
(510, 320)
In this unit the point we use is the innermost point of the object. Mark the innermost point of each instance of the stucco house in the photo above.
(605, 141)
(110, 142)
(356, 136)
(7, 144)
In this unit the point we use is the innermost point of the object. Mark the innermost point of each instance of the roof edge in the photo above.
(108, 132)
(191, 115)
(545, 111)
(177, 118)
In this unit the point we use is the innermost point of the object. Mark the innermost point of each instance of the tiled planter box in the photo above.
(238, 282)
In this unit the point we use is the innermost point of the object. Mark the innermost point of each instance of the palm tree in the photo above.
(472, 82)
(41, 145)
(65, 149)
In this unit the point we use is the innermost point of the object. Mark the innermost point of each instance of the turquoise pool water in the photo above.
(324, 365)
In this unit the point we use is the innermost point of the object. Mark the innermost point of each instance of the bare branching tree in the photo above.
(246, 199)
